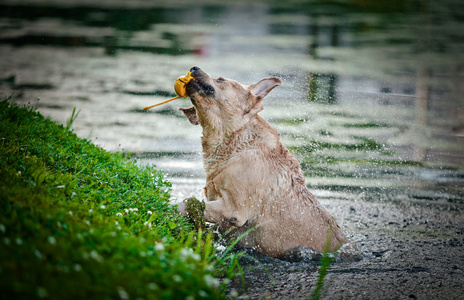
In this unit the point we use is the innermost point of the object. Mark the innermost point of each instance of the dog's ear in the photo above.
(191, 114)
(259, 91)
(264, 86)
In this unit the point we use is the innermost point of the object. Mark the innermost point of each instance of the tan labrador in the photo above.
(252, 180)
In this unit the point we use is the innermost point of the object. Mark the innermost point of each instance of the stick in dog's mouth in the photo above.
(180, 86)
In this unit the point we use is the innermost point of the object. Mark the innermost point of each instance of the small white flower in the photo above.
(42, 292)
(90, 211)
(126, 211)
(70, 213)
(184, 253)
(19, 241)
(94, 255)
(51, 240)
(233, 293)
(2, 228)
(122, 293)
(38, 254)
(102, 207)
(152, 286)
(211, 281)
(77, 267)
(196, 257)
(149, 212)
(159, 247)
(209, 268)
(177, 278)
(203, 294)
(119, 215)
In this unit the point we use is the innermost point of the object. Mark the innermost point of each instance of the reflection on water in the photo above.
(371, 101)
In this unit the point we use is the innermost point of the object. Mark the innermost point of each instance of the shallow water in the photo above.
(371, 102)
(371, 98)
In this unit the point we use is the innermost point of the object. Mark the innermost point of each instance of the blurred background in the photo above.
(371, 104)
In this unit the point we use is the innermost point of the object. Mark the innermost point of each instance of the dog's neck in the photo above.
(217, 132)
(217, 150)
(220, 145)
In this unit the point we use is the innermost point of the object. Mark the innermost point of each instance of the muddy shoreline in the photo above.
(411, 250)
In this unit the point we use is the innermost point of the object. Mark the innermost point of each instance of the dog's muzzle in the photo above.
(200, 84)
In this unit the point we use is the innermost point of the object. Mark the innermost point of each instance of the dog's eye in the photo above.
(220, 79)
(209, 90)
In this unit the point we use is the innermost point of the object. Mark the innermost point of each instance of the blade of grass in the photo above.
(71, 120)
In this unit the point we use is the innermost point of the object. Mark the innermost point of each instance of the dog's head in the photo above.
(224, 103)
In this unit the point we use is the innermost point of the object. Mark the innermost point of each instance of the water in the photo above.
(371, 102)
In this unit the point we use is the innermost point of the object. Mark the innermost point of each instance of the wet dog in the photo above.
(252, 180)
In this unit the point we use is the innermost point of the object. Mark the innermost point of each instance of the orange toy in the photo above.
(180, 86)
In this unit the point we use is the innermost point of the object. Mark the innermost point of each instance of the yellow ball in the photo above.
(180, 86)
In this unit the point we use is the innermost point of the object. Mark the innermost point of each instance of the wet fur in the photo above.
(252, 180)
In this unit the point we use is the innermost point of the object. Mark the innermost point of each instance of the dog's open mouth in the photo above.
(191, 85)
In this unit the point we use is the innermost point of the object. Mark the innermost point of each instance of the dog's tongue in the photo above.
(180, 86)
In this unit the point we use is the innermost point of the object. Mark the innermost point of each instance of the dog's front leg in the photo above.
(220, 213)
(220, 209)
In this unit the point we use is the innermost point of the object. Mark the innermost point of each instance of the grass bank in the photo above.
(79, 222)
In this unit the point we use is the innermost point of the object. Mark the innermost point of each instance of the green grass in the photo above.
(326, 261)
(79, 222)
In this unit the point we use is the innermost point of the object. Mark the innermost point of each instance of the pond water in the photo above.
(371, 103)
(371, 96)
